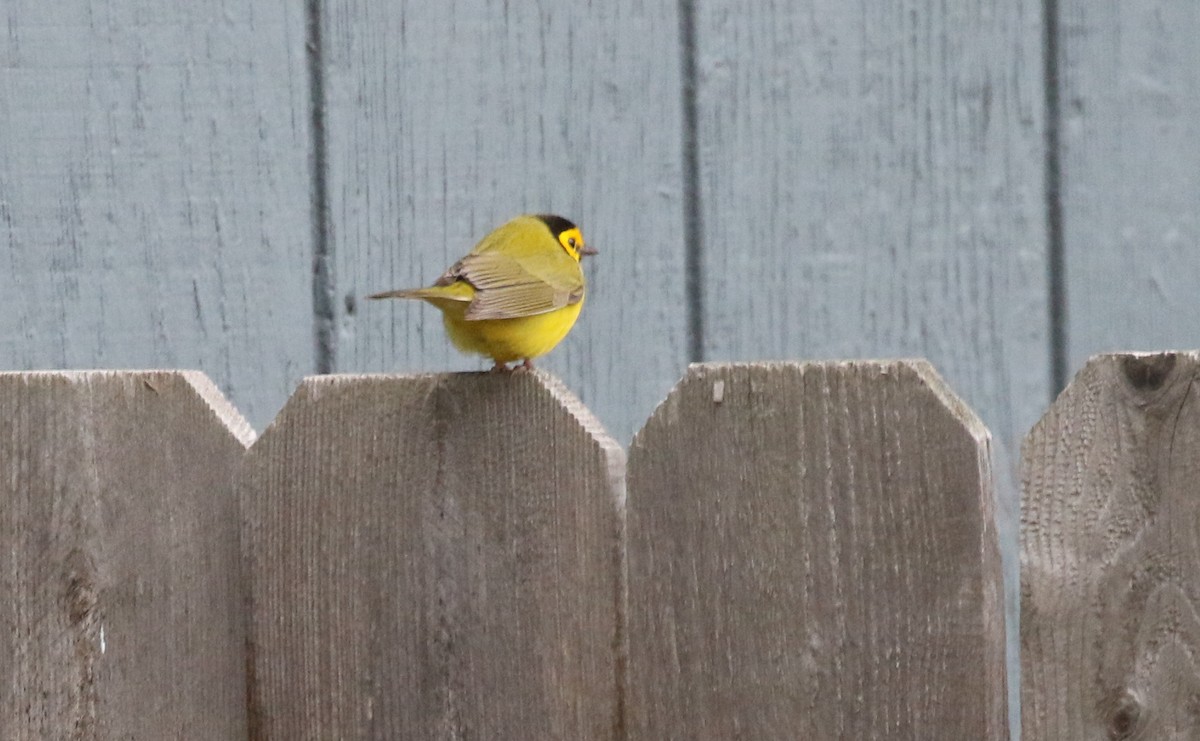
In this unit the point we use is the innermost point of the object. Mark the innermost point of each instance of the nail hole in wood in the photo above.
(1124, 717)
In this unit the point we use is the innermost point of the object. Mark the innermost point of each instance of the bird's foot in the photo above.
(500, 367)
(526, 364)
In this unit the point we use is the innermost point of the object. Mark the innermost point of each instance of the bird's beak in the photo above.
(588, 251)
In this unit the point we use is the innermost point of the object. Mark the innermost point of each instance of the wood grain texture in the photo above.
(1130, 97)
(121, 603)
(1110, 629)
(154, 191)
(813, 556)
(445, 119)
(434, 557)
(871, 184)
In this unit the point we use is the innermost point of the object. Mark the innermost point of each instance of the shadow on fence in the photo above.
(795, 550)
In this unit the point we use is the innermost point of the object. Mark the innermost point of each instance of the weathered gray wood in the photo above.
(1110, 544)
(121, 603)
(447, 118)
(434, 557)
(154, 191)
(1130, 97)
(871, 184)
(811, 555)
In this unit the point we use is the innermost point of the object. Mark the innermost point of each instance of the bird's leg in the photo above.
(527, 364)
(500, 367)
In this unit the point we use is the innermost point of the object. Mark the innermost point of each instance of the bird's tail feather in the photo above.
(457, 291)
(399, 293)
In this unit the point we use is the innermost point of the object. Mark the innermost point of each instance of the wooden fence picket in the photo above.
(120, 586)
(434, 556)
(811, 554)
(1110, 572)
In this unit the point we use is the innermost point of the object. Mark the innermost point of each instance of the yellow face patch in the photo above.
(572, 241)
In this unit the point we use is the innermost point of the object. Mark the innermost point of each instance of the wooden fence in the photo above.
(793, 550)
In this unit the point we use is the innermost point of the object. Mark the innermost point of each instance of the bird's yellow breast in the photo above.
(506, 340)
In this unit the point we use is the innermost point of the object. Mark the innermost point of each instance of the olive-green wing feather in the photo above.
(518, 270)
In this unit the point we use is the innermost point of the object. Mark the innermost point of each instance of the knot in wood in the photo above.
(79, 593)
(1124, 716)
(1148, 372)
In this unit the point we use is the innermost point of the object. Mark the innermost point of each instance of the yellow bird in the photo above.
(516, 295)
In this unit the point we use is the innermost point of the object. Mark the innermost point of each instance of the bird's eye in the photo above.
(571, 241)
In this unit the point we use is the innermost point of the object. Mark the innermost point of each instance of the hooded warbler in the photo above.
(516, 295)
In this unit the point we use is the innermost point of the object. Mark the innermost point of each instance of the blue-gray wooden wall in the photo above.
(1003, 186)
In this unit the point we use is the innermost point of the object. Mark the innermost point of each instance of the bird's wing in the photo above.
(508, 286)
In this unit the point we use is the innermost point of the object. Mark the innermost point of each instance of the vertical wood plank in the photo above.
(445, 119)
(812, 554)
(121, 602)
(1110, 541)
(434, 557)
(1130, 98)
(871, 183)
(154, 191)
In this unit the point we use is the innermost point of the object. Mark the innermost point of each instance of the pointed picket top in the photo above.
(812, 554)
(120, 524)
(922, 370)
(539, 386)
(1110, 531)
(159, 381)
(432, 556)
